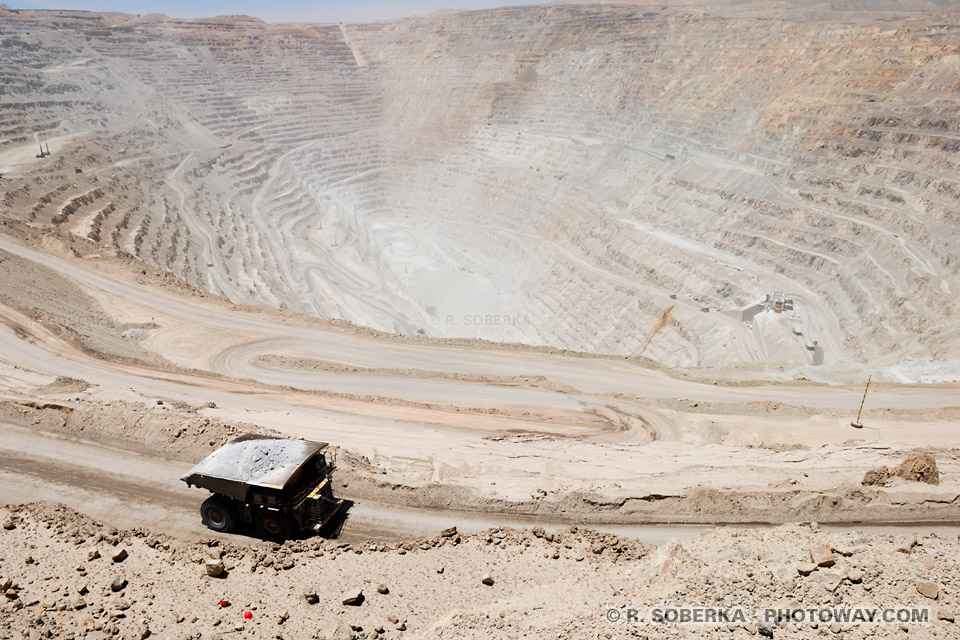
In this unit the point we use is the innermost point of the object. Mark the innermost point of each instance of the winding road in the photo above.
(588, 377)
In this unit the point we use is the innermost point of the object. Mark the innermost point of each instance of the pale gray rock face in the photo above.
(545, 175)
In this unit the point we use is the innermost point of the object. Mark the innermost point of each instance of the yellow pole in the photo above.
(864, 398)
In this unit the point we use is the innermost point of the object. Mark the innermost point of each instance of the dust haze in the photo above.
(585, 299)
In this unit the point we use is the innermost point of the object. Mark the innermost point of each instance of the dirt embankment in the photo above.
(43, 295)
(276, 361)
(701, 505)
(166, 429)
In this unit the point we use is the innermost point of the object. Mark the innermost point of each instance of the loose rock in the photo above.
(353, 598)
(874, 477)
(214, 568)
(905, 545)
(822, 555)
(928, 589)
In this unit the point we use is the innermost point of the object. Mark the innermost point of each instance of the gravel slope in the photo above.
(72, 577)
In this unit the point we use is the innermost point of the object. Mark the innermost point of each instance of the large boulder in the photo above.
(874, 477)
(919, 466)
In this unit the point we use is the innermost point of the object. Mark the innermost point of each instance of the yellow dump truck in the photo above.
(281, 485)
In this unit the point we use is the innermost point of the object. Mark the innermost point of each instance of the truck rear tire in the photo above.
(273, 525)
(219, 514)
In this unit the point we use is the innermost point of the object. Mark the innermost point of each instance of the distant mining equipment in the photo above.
(856, 424)
(43, 154)
(777, 302)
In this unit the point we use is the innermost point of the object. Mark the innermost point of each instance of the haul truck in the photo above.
(281, 485)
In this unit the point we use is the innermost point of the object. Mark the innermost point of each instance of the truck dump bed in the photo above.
(252, 461)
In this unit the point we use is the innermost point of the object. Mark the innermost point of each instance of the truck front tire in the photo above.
(273, 525)
(219, 514)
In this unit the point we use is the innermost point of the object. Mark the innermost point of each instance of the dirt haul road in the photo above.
(494, 428)
(586, 375)
(130, 490)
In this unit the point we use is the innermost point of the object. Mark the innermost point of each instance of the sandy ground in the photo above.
(119, 463)
(49, 439)
(68, 576)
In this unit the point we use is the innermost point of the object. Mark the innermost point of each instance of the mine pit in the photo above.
(512, 322)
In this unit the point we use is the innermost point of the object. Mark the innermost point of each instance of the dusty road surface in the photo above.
(128, 490)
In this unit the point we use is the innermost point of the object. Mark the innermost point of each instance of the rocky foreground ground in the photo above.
(66, 576)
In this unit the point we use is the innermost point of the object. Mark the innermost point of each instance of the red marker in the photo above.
(224, 603)
(248, 615)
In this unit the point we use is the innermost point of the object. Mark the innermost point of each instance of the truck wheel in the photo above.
(219, 514)
(273, 525)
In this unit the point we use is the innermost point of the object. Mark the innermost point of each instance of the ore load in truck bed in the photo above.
(255, 460)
